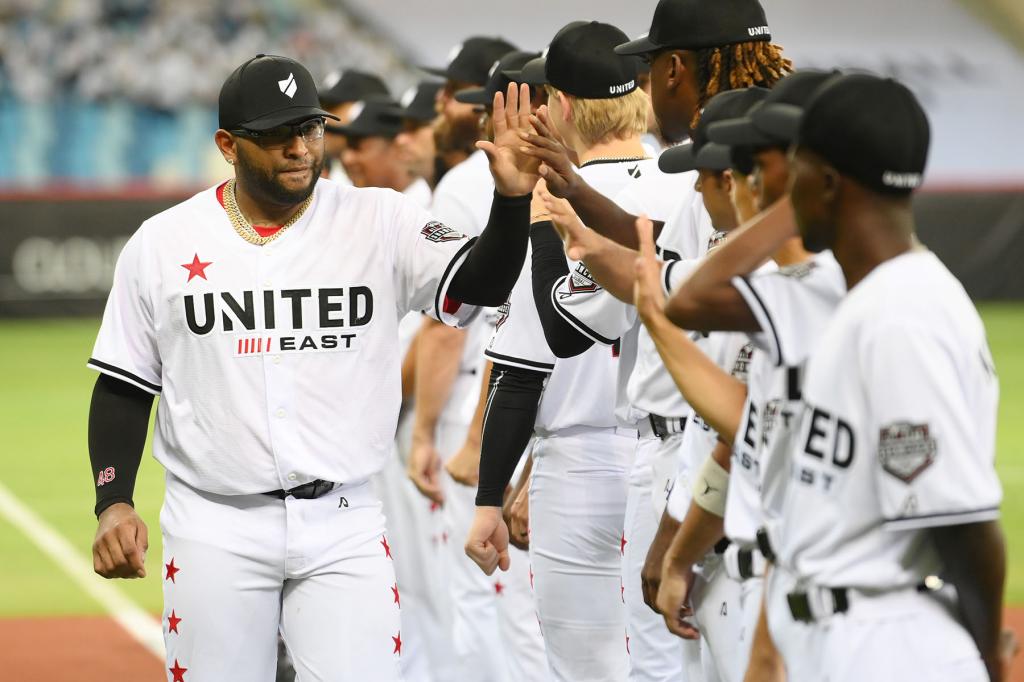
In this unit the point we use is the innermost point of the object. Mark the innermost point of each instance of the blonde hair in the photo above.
(598, 120)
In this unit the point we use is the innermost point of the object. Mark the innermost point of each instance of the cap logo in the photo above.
(901, 180)
(621, 89)
(494, 67)
(332, 79)
(408, 96)
(355, 110)
(758, 31)
(288, 85)
(454, 52)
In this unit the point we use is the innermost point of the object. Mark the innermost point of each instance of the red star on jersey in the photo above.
(622, 544)
(387, 547)
(171, 570)
(398, 643)
(498, 587)
(196, 268)
(178, 672)
(398, 600)
(172, 622)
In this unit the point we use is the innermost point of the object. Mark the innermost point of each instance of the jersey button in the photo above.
(292, 477)
(279, 414)
(266, 285)
(277, 359)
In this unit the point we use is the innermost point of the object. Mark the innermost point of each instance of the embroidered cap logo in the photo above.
(288, 85)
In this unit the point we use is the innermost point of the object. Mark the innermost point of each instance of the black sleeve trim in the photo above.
(951, 518)
(577, 324)
(123, 374)
(768, 319)
(547, 268)
(511, 411)
(667, 279)
(443, 285)
(509, 360)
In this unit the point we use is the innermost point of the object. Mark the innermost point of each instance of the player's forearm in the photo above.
(508, 425)
(476, 427)
(613, 266)
(706, 300)
(438, 353)
(699, 532)
(606, 217)
(547, 267)
(118, 424)
(712, 392)
(974, 560)
(494, 262)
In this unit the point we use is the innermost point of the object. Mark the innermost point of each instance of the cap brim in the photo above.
(737, 131)
(477, 96)
(410, 114)
(780, 121)
(285, 116)
(363, 131)
(716, 157)
(678, 159)
(435, 71)
(642, 45)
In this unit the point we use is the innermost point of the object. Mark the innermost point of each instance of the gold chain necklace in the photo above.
(245, 229)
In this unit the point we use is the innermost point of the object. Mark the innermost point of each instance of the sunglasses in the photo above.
(309, 130)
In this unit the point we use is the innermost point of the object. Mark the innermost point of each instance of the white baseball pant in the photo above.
(577, 507)
(239, 568)
(495, 633)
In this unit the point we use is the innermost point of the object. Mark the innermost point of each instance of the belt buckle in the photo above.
(659, 426)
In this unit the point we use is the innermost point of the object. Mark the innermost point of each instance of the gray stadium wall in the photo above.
(57, 256)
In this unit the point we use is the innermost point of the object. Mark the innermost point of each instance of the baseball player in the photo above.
(890, 474)
(495, 631)
(415, 142)
(279, 378)
(577, 491)
(339, 92)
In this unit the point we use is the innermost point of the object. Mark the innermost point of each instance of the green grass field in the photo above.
(44, 397)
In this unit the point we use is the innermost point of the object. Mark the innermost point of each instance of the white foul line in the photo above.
(136, 622)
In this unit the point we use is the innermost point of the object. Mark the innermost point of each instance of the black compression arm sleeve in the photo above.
(494, 262)
(512, 401)
(118, 423)
(548, 264)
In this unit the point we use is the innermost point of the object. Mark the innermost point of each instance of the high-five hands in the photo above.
(515, 173)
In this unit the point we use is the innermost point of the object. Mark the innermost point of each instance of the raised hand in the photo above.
(648, 296)
(556, 167)
(579, 240)
(515, 173)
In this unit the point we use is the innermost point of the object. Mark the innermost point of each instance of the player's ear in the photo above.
(726, 180)
(226, 144)
(677, 67)
(566, 106)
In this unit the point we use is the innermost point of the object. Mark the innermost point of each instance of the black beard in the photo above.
(263, 185)
(460, 135)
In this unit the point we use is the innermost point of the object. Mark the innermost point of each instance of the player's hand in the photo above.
(119, 550)
(424, 468)
(1009, 647)
(556, 167)
(674, 600)
(650, 574)
(515, 173)
(648, 296)
(464, 466)
(518, 519)
(487, 542)
(579, 240)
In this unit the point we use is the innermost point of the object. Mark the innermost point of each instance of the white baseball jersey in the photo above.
(276, 365)
(581, 390)
(793, 305)
(419, 191)
(462, 201)
(897, 434)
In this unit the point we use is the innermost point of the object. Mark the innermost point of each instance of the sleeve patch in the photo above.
(581, 281)
(741, 368)
(905, 450)
(716, 239)
(798, 270)
(438, 233)
(503, 311)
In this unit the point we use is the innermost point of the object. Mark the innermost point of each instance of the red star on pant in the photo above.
(398, 600)
(531, 576)
(171, 571)
(498, 587)
(444, 537)
(434, 506)
(196, 268)
(387, 547)
(172, 622)
(622, 589)
(178, 672)
(398, 643)
(622, 545)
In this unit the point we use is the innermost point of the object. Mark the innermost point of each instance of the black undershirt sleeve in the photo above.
(549, 265)
(118, 424)
(512, 400)
(494, 262)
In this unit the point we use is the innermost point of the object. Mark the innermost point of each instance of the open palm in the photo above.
(515, 173)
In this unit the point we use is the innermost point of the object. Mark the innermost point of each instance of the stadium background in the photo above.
(107, 108)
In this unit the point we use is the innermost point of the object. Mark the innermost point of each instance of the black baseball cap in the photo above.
(870, 129)
(350, 85)
(532, 73)
(268, 91)
(697, 24)
(772, 123)
(497, 81)
(581, 61)
(470, 61)
(701, 152)
(418, 102)
(371, 117)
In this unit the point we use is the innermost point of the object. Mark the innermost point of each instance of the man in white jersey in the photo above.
(339, 92)
(264, 312)
(495, 631)
(577, 492)
(417, 111)
(891, 472)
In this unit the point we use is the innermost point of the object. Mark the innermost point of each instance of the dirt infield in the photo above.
(95, 649)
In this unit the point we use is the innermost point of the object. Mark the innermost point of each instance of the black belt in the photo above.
(306, 491)
(800, 604)
(722, 545)
(660, 425)
(745, 563)
(765, 545)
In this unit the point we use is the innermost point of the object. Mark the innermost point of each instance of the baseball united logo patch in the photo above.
(905, 449)
(581, 281)
(439, 232)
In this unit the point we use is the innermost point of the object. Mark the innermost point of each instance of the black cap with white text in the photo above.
(268, 91)
(581, 61)
(697, 24)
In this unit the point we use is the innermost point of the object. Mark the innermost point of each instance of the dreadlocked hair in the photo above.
(736, 66)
